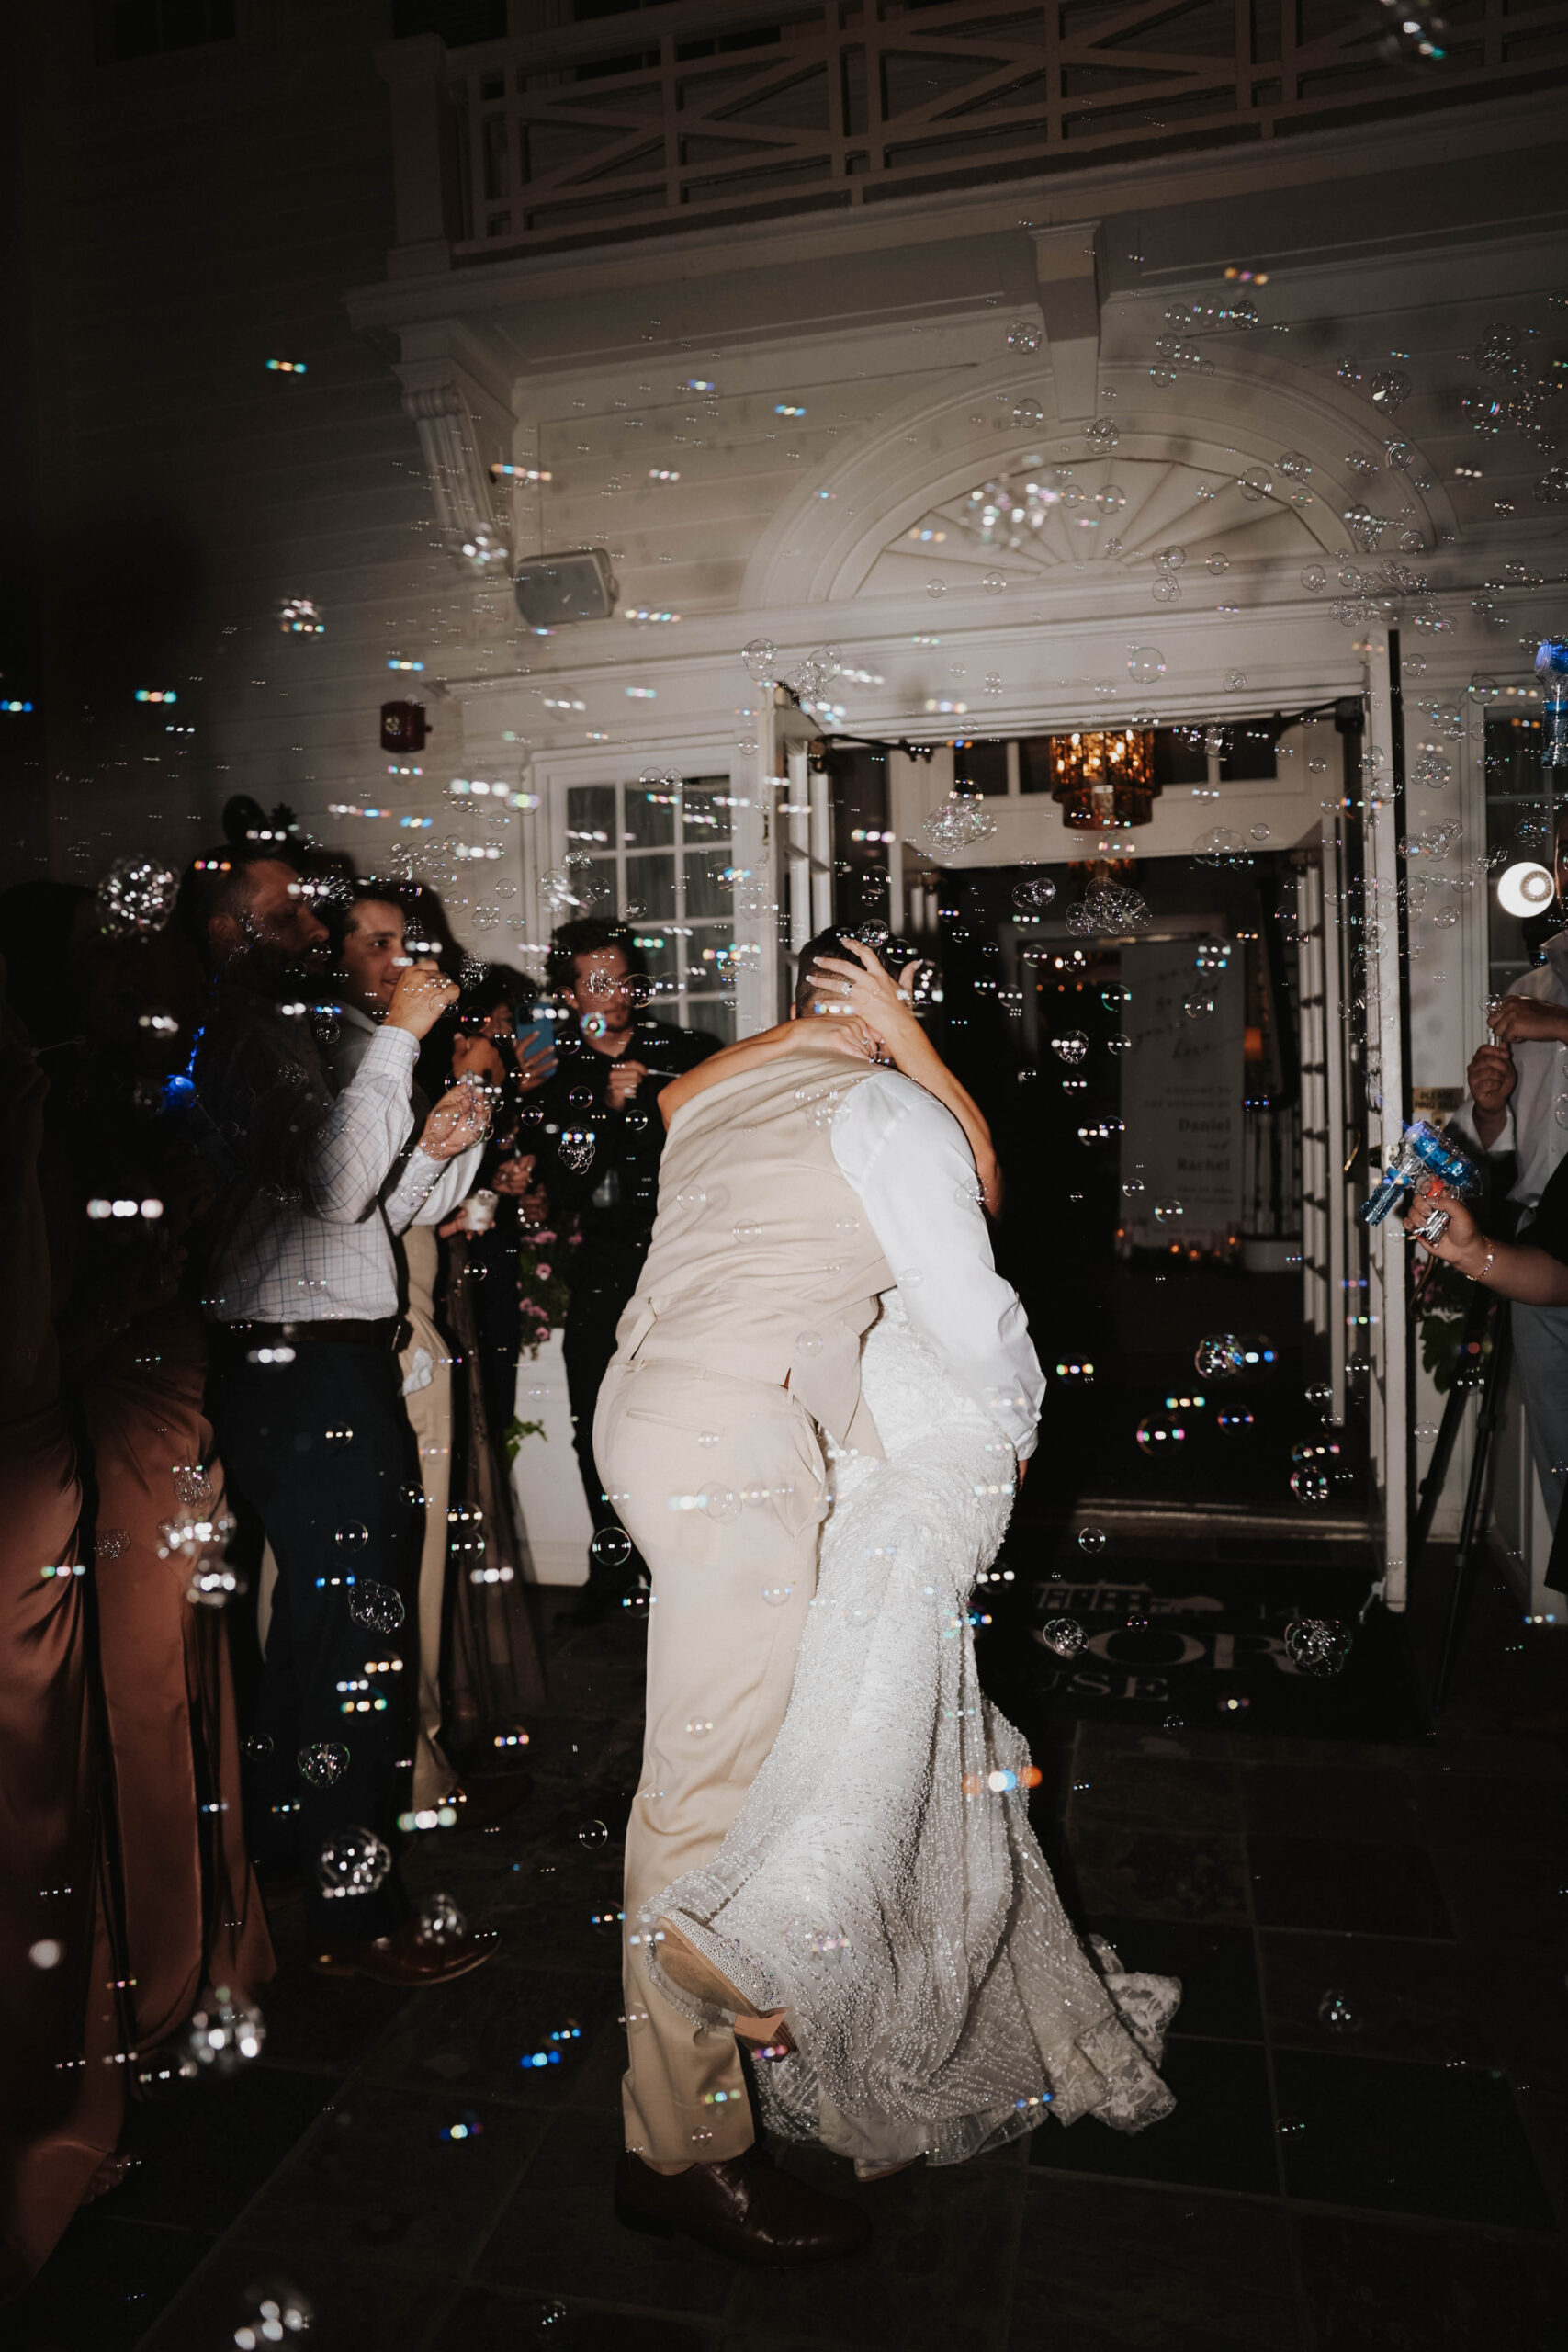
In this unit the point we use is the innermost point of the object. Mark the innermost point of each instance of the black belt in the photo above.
(342, 1333)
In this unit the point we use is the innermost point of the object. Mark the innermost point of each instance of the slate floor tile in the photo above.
(559, 2230)
(1220, 2136)
(1346, 1885)
(1182, 1794)
(1506, 1898)
(1217, 1967)
(1329, 1801)
(1144, 1874)
(479, 2033)
(1381, 2287)
(105, 2283)
(934, 2277)
(482, 2320)
(203, 2153)
(377, 2176)
(359, 2302)
(1507, 1813)
(1439, 2141)
(1393, 1999)
(1103, 2265)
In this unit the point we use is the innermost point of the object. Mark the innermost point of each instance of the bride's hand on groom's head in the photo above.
(863, 986)
(846, 1033)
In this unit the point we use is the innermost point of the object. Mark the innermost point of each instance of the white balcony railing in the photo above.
(705, 111)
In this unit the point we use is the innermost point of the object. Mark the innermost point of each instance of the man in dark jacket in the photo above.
(600, 1137)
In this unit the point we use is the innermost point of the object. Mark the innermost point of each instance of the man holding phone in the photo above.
(600, 1139)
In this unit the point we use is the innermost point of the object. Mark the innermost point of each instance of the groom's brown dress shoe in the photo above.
(743, 2207)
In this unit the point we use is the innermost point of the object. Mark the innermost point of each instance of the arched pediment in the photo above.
(1180, 456)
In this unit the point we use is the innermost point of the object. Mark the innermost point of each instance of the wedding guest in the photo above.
(600, 1141)
(62, 2094)
(368, 935)
(302, 1308)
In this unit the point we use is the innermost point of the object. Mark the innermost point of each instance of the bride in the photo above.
(880, 1904)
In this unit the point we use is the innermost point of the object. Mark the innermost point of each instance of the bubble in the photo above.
(1338, 2014)
(809, 1343)
(592, 1833)
(275, 2310)
(722, 1503)
(1145, 664)
(1160, 1434)
(1030, 896)
(1091, 1539)
(1314, 579)
(352, 1537)
(379, 1606)
(258, 1745)
(110, 1543)
(1426, 1434)
(137, 894)
(352, 1861)
(936, 587)
(1389, 389)
(700, 1726)
(1320, 1397)
(1167, 1211)
(993, 583)
(323, 1762)
(760, 657)
(1071, 1048)
(440, 1920)
(1220, 845)
(1318, 1646)
(1064, 1635)
(1256, 484)
(1310, 1487)
(610, 1548)
(550, 2319)
(1027, 412)
(1234, 681)
(1218, 1356)
(1120, 1044)
(224, 2035)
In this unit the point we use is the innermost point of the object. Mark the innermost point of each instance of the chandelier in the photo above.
(1104, 780)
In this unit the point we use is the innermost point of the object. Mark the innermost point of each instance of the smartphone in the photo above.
(536, 1033)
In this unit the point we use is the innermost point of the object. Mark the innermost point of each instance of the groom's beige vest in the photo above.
(763, 1264)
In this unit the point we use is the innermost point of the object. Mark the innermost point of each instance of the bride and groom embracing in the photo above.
(822, 1398)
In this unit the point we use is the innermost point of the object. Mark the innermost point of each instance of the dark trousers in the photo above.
(491, 1262)
(603, 1279)
(320, 1449)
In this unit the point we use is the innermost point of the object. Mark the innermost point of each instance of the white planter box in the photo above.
(551, 1507)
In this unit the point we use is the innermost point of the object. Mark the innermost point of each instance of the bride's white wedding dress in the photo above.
(882, 1884)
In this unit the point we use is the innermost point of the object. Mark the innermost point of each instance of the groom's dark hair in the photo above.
(893, 955)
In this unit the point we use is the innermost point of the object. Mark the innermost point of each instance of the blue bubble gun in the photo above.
(1552, 668)
(1429, 1167)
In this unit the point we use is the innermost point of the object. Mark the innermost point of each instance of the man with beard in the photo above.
(301, 1305)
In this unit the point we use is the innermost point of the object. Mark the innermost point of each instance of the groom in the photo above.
(791, 1194)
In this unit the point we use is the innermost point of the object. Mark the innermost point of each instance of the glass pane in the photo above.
(706, 1013)
(661, 951)
(709, 892)
(983, 767)
(651, 886)
(706, 813)
(649, 817)
(591, 816)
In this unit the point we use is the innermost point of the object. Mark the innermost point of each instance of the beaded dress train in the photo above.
(882, 1884)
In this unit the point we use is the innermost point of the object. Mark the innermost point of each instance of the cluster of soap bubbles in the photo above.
(136, 896)
(1111, 910)
(352, 1861)
(960, 821)
(1168, 562)
(1318, 1646)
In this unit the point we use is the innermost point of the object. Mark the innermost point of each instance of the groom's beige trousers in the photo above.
(719, 1481)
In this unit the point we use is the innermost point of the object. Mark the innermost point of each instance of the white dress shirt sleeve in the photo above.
(907, 1159)
(1508, 1138)
(429, 1190)
(352, 1153)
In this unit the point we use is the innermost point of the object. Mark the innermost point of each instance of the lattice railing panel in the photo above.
(841, 102)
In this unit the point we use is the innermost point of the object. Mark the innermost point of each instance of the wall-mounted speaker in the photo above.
(555, 589)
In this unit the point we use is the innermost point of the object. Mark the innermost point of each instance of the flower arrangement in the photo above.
(542, 1284)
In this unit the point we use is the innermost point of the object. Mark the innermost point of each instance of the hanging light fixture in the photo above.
(1104, 780)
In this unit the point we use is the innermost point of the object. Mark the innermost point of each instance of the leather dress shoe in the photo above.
(744, 2207)
(407, 1957)
(480, 1802)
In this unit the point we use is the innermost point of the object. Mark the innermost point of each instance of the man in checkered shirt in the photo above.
(302, 1310)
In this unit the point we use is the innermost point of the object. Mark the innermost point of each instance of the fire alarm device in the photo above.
(404, 726)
